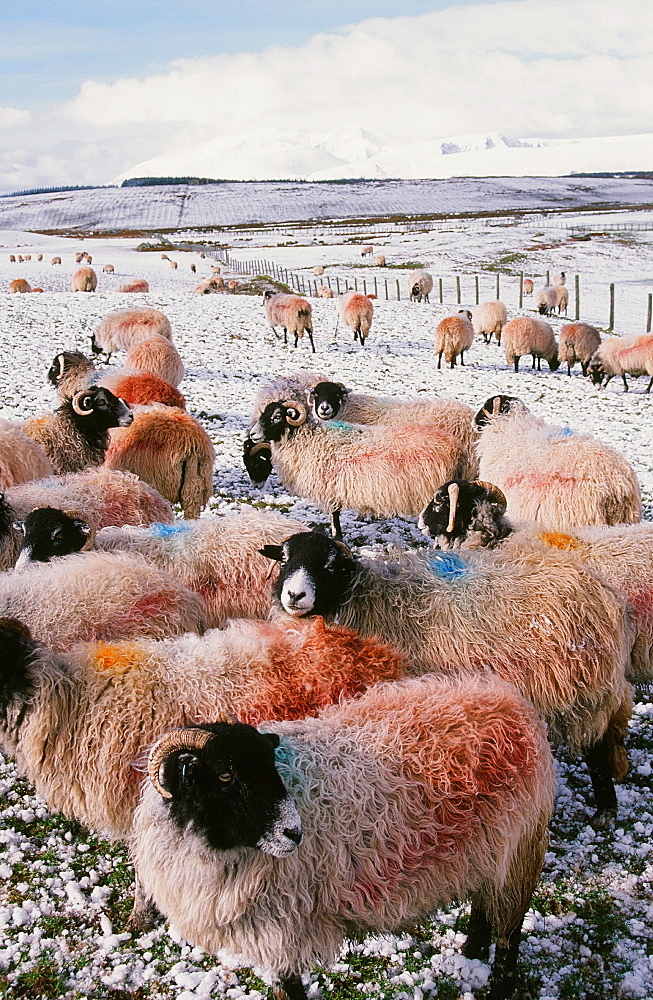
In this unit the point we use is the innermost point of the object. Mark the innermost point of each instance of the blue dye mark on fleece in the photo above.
(167, 530)
(341, 425)
(561, 432)
(447, 565)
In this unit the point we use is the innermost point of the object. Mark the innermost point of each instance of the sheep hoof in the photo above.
(603, 819)
(143, 917)
(291, 988)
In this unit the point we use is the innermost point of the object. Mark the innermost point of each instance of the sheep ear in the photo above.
(273, 739)
(272, 552)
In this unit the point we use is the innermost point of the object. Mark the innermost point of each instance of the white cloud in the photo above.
(13, 117)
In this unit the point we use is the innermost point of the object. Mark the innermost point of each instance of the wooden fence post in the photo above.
(458, 289)
(611, 323)
(649, 313)
(476, 287)
(577, 291)
(521, 289)
(398, 292)
(498, 291)
(440, 283)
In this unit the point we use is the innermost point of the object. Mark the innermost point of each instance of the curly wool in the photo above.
(122, 329)
(527, 335)
(577, 342)
(417, 794)
(489, 318)
(99, 595)
(135, 387)
(84, 280)
(21, 458)
(158, 356)
(95, 709)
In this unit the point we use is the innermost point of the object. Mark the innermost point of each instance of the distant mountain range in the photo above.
(357, 153)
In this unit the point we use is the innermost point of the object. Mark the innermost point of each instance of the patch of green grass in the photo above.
(260, 283)
(508, 263)
(43, 982)
(408, 265)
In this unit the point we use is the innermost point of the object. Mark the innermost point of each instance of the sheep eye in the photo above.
(226, 777)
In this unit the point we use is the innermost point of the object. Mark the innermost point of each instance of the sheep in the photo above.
(215, 268)
(545, 623)
(290, 312)
(103, 496)
(552, 475)
(79, 257)
(317, 271)
(88, 258)
(490, 318)
(527, 335)
(159, 356)
(546, 300)
(84, 280)
(108, 269)
(193, 268)
(366, 819)
(12, 258)
(120, 330)
(233, 285)
(37, 289)
(20, 258)
(420, 284)
(27, 256)
(379, 260)
(169, 449)
(577, 342)
(621, 356)
(559, 279)
(10, 537)
(39, 256)
(324, 292)
(562, 298)
(465, 515)
(71, 371)
(99, 596)
(173, 264)
(164, 256)
(356, 311)
(135, 285)
(56, 260)
(453, 336)
(367, 251)
(77, 433)
(382, 471)
(209, 287)
(19, 285)
(21, 458)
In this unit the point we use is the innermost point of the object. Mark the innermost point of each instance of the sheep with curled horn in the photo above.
(435, 607)
(476, 505)
(240, 841)
(71, 371)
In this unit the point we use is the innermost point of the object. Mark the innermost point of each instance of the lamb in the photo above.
(378, 851)
(527, 335)
(135, 285)
(420, 284)
(19, 285)
(490, 318)
(438, 609)
(21, 458)
(562, 298)
(381, 471)
(71, 371)
(84, 280)
(546, 300)
(453, 336)
(578, 342)
(467, 515)
(102, 496)
(290, 312)
(99, 596)
(622, 356)
(169, 449)
(553, 475)
(77, 433)
(379, 260)
(356, 311)
(159, 356)
(119, 331)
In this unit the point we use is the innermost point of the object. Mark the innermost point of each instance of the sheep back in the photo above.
(21, 458)
(120, 330)
(527, 335)
(490, 318)
(158, 356)
(577, 342)
(453, 336)
(357, 312)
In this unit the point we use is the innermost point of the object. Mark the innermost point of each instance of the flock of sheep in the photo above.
(333, 745)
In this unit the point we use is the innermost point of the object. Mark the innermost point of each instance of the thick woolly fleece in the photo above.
(412, 796)
(158, 356)
(21, 458)
(526, 335)
(555, 476)
(120, 330)
(93, 711)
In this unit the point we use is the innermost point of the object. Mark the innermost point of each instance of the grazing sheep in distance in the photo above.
(546, 301)
(559, 279)
(290, 312)
(357, 312)
(108, 269)
(39, 256)
(174, 265)
(621, 356)
(164, 256)
(427, 825)
(577, 342)
(490, 318)
(324, 292)
(233, 285)
(420, 284)
(210, 286)
(135, 285)
(19, 285)
(12, 258)
(21, 458)
(122, 329)
(215, 268)
(379, 260)
(453, 336)
(527, 335)
(159, 356)
(79, 257)
(169, 449)
(318, 270)
(553, 475)
(84, 280)
(71, 371)
(562, 298)
(193, 268)
(367, 251)
(56, 260)
(27, 256)
(37, 289)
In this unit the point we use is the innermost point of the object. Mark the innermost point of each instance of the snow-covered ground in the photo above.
(590, 932)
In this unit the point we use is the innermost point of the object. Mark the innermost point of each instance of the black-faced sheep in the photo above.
(490, 318)
(71, 371)
(407, 799)
(546, 300)
(420, 285)
(577, 342)
(356, 311)
(622, 356)
(119, 331)
(290, 312)
(527, 335)
(453, 336)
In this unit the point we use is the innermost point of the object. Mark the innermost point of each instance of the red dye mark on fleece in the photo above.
(642, 604)
(540, 481)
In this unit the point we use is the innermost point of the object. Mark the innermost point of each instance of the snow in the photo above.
(56, 888)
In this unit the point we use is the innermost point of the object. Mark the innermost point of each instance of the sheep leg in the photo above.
(650, 384)
(599, 764)
(569, 369)
(144, 914)
(274, 331)
(285, 335)
(453, 362)
(289, 988)
(426, 298)
(440, 358)
(504, 967)
(479, 935)
(516, 361)
(296, 339)
(310, 337)
(336, 530)
(623, 375)
(462, 357)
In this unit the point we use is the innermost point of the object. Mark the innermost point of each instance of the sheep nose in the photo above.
(295, 598)
(294, 835)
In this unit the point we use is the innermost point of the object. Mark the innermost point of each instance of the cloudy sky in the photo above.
(88, 90)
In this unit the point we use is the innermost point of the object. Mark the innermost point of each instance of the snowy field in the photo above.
(64, 895)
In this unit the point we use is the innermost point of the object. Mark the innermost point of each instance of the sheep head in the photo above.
(315, 573)
(464, 513)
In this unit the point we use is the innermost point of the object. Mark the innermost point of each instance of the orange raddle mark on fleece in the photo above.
(558, 540)
(116, 659)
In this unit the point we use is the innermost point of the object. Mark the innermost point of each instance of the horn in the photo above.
(180, 739)
(291, 404)
(261, 446)
(61, 358)
(496, 405)
(454, 493)
(76, 407)
(78, 516)
(494, 492)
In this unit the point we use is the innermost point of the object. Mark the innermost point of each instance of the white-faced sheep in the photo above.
(119, 331)
(527, 335)
(490, 318)
(546, 300)
(84, 280)
(103, 496)
(71, 371)
(577, 343)
(382, 471)
(562, 298)
(135, 285)
(466, 515)
(158, 356)
(290, 312)
(561, 634)
(169, 449)
(19, 285)
(551, 474)
(453, 336)
(21, 458)
(420, 286)
(622, 356)
(356, 311)
(458, 808)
